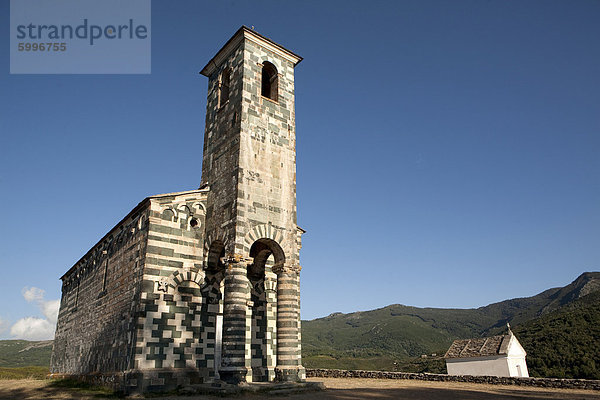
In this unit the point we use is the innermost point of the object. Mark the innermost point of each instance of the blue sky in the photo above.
(447, 151)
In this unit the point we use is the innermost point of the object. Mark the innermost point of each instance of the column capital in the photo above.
(236, 259)
(270, 285)
(282, 268)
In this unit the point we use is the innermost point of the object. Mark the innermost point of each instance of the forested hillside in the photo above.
(397, 333)
(566, 342)
(23, 353)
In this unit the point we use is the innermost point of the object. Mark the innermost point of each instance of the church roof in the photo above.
(479, 347)
(246, 33)
(137, 208)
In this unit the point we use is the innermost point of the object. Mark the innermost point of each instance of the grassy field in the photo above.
(52, 387)
(433, 365)
(23, 353)
(24, 373)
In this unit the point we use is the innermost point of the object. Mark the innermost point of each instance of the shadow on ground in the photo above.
(30, 390)
(427, 393)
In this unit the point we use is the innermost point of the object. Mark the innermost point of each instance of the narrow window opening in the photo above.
(105, 275)
(224, 84)
(77, 294)
(269, 86)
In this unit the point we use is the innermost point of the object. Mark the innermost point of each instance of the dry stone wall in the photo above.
(493, 380)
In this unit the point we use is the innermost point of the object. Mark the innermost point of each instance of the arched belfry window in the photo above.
(224, 83)
(269, 87)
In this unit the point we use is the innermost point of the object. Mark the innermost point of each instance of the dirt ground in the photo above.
(337, 389)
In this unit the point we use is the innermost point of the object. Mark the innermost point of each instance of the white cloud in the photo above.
(50, 310)
(3, 325)
(33, 294)
(31, 328)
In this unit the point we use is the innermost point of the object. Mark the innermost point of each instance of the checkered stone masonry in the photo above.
(204, 284)
(177, 326)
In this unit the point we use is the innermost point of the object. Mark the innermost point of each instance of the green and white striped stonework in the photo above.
(250, 141)
(99, 301)
(201, 285)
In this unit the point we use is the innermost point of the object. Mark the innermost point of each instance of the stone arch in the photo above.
(200, 207)
(185, 209)
(264, 231)
(211, 238)
(169, 214)
(171, 282)
(261, 251)
(265, 253)
(214, 251)
(195, 275)
(185, 215)
(141, 222)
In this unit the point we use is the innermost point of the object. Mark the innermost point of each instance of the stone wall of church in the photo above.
(147, 305)
(96, 322)
(179, 300)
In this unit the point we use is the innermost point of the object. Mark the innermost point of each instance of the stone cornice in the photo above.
(245, 33)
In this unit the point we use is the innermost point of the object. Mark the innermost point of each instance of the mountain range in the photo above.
(397, 333)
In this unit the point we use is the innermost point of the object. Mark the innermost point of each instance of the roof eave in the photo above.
(236, 39)
(136, 209)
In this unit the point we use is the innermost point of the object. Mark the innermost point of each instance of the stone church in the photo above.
(200, 285)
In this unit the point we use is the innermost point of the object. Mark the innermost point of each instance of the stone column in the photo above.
(271, 333)
(288, 315)
(235, 311)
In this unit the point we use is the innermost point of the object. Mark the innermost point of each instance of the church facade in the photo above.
(204, 284)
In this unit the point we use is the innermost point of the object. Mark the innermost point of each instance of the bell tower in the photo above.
(249, 169)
